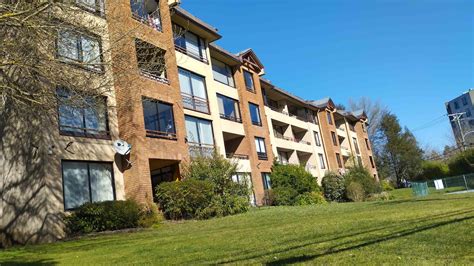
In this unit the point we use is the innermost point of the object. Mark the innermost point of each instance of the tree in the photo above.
(340, 107)
(400, 157)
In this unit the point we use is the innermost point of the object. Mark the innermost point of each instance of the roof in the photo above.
(182, 12)
(322, 103)
(253, 55)
(225, 52)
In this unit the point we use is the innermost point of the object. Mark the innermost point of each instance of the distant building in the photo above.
(462, 104)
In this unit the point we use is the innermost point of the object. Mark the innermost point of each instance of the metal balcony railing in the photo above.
(195, 103)
(237, 156)
(200, 149)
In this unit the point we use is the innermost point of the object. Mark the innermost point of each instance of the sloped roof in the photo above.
(249, 52)
(183, 13)
(322, 103)
(225, 52)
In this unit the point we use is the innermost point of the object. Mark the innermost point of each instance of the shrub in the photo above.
(432, 170)
(361, 175)
(334, 187)
(289, 182)
(184, 199)
(383, 196)
(387, 185)
(310, 198)
(104, 216)
(462, 163)
(355, 192)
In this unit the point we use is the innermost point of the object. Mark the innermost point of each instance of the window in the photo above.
(199, 136)
(94, 6)
(334, 138)
(159, 119)
(283, 157)
(222, 73)
(338, 159)
(255, 114)
(359, 160)
(329, 115)
(267, 184)
(189, 43)
(464, 101)
(367, 144)
(86, 182)
(321, 161)
(240, 178)
(249, 81)
(140, 13)
(261, 150)
(228, 108)
(79, 48)
(456, 105)
(317, 139)
(372, 161)
(193, 91)
(356, 145)
(151, 61)
(87, 118)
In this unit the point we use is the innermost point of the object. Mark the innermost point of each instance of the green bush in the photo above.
(334, 187)
(383, 196)
(387, 185)
(104, 216)
(184, 199)
(462, 163)
(355, 192)
(362, 176)
(432, 169)
(289, 182)
(310, 198)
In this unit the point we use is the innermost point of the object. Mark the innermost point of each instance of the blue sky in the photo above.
(412, 55)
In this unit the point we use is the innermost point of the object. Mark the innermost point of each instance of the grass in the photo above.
(437, 229)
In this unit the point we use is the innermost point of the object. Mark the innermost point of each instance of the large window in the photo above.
(193, 91)
(79, 48)
(200, 136)
(321, 161)
(334, 138)
(82, 116)
(356, 145)
(267, 184)
(249, 81)
(329, 116)
(261, 149)
(222, 73)
(94, 6)
(228, 108)
(317, 139)
(140, 13)
(338, 159)
(87, 182)
(151, 61)
(159, 119)
(255, 114)
(189, 43)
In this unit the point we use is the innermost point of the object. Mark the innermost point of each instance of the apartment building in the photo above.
(175, 95)
(462, 107)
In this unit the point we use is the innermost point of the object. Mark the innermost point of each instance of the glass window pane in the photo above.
(220, 103)
(96, 115)
(67, 45)
(254, 113)
(90, 51)
(166, 118)
(192, 43)
(222, 73)
(150, 115)
(205, 132)
(70, 118)
(185, 81)
(76, 184)
(138, 8)
(192, 129)
(199, 89)
(248, 80)
(101, 182)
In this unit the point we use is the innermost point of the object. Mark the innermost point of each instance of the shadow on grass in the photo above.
(415, 200)
(397, 229)
(366, 242)
(33, 262)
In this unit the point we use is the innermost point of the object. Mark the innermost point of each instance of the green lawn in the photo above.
(438, 229)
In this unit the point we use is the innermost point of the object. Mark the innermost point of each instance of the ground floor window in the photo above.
(266, 181)
(87, 182)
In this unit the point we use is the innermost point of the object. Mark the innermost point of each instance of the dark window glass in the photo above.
(151, 61)
(329, 115)
(367, 144)
(317, 138)
(79, 48)
(255, 114)
(193, 91)
(222, 73)
(228, 108)
(82, 115)
(249, 81)
(261, 149)
(86, 182)
(334, 138)
(266, 181)
(372, 161)
(356, 145)
(159, 120)
(338, 158)
(321, 161)
(189, 43)
(139, 13)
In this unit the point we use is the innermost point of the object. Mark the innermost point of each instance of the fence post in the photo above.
(465, 183)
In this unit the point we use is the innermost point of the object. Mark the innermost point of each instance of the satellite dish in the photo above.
(151, 6)
(122, 147)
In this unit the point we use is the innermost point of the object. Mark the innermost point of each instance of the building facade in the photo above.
(175, 95)
(461, 108)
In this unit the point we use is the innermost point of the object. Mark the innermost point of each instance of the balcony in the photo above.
(160, 134)
(262, 156)
(237, 156)
(195, 103)
(200, 149)
(153, 20)
(231, 118)
(192, 54)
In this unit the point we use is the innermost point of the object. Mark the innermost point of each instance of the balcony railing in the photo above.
(301, 118)
(231, 118)
(262, 156)
(158, 77)
(200, 149)
(237, 156)
(192, 54)
(195, 103)
(160, 134)
(152, 20)
(280, 136)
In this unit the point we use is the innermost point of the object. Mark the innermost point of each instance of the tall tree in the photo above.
(374, 110)
(400, 156)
